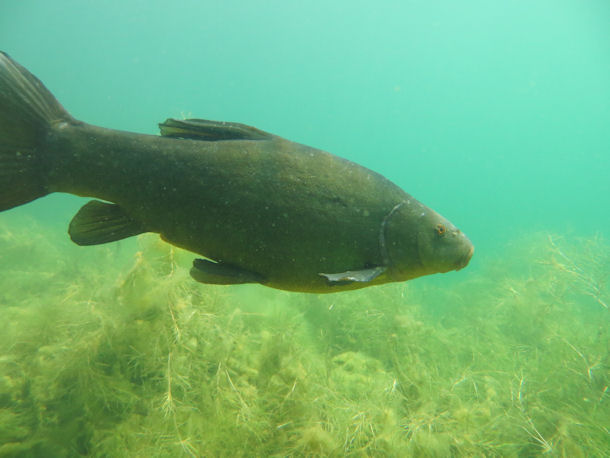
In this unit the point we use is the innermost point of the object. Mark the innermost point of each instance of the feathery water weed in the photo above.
(126, 355)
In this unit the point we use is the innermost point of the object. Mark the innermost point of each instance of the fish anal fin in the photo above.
(202, 129)
(219, 273)
(100, 222)
(351, 276)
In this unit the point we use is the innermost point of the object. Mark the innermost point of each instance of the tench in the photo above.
(259, 208)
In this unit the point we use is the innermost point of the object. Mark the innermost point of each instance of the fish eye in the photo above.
(441, 229)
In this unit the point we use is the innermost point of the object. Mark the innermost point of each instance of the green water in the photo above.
(495, 114)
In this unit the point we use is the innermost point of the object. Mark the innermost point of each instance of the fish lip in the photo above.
(464, 260)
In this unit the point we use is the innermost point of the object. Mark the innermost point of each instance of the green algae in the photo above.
(104, 352)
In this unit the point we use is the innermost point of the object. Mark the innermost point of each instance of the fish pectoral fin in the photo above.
(351, 276)
(219, 273)
(99, 222)
(202, 129)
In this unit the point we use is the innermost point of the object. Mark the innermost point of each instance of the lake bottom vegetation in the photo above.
(115, 351)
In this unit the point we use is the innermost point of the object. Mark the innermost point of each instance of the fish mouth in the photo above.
(464, 260)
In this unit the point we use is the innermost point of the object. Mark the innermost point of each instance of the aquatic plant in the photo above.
(106, 352)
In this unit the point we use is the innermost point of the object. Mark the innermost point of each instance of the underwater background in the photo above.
(494, 114)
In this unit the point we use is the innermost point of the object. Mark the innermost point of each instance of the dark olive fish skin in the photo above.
(262, 208)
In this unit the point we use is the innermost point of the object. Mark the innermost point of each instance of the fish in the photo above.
(256, 207)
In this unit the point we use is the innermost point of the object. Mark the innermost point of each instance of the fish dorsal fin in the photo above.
(212, 131)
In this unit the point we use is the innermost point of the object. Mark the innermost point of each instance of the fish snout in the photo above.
(465, 259)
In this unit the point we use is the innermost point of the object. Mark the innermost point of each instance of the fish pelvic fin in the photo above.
(27, 112)
(99, 222)
(219, 273)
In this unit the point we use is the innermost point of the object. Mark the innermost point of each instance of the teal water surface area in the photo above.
(494, 114)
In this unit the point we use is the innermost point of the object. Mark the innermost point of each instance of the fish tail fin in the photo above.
(27, 112)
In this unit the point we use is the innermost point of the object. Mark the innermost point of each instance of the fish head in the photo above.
(442, 246)
(420, 242)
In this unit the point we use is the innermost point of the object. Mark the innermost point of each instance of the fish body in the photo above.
(259, 208)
